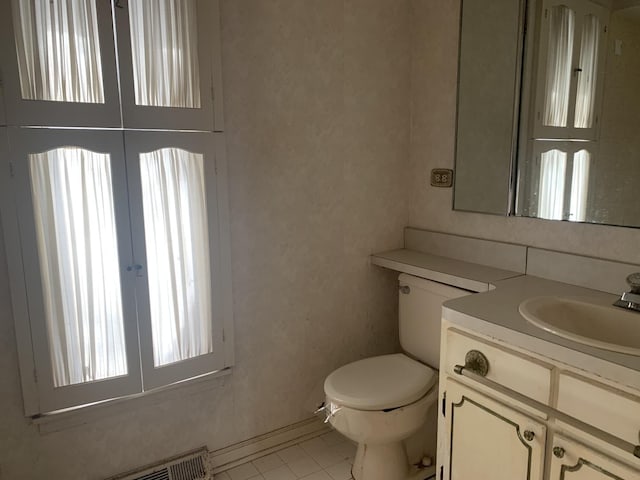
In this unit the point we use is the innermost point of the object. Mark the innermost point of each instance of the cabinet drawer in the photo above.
(584, 462)
(510, 369)
(611, 410)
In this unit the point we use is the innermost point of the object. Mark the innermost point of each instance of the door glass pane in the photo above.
(58, 50)
(579, 186)
(559, 56)
(164, 47)
(177, 242)
(588, 71)
(77, 246)
(552, 176)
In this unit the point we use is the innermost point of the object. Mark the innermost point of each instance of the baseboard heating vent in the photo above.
(189, 466)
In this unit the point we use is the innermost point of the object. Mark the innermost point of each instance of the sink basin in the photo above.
(602, 326)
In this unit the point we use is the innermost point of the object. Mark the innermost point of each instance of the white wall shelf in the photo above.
(458, 273)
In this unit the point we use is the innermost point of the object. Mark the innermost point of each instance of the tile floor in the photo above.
(327, 457)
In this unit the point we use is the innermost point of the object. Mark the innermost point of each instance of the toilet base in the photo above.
(387, 461)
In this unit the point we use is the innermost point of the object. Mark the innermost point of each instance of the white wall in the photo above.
(435, 27)
(317, 115)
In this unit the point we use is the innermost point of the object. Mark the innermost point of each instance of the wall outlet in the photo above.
(442, 177)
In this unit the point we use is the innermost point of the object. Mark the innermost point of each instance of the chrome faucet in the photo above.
(631, 299)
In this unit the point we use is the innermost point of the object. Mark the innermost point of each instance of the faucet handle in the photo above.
(634, 282)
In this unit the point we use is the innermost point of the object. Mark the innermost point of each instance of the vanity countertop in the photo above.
(495, 314)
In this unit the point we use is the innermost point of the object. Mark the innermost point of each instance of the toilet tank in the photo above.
(420, 313)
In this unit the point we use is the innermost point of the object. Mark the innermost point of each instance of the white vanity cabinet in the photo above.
(488, 440)
(527, 417)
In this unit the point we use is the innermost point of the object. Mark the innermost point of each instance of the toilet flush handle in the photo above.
(405, 289)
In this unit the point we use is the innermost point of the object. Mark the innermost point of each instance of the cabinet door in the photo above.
(573, 461)
(487, 439)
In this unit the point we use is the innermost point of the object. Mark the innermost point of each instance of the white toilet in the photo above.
(381, 401)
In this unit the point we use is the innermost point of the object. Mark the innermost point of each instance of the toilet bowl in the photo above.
(379, 402)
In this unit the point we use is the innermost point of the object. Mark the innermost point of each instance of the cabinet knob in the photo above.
(558, 452)
(474, 361)
(529, 435)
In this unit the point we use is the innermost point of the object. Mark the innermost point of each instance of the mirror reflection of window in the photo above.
(588, 72)
(557, 190)
(572, 40)
(566, 129)
(559, 66)
(579, 186)
(553, 166)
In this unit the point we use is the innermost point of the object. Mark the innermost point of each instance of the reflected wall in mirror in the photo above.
(579, 156)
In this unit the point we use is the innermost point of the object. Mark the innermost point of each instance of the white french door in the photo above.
(172, 187)
(71, 201)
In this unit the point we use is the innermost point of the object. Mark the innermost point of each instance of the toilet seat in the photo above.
(380, 383)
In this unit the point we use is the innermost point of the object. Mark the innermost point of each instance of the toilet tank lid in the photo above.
(380, 383)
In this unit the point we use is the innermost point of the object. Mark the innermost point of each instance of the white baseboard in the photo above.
(234, 455)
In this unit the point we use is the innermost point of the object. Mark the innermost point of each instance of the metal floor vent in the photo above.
(190, 466)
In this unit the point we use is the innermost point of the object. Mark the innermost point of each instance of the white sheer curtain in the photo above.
(579, 186)
(177, 242)
(58, 50)
(559, 68)
(551, 192)
(77, 245)
(586, 90)
(164, 39)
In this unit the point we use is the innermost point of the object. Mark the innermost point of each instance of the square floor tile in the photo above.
(340, 471)
(304, 466)
(243, 472)
(313, 445)
(269, 462)
(317, 476)
(327, 457)
(291, 454)
(280, 473)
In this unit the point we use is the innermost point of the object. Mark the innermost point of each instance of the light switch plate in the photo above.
(442, 177)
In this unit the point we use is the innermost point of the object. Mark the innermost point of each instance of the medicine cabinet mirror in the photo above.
(549, 112)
